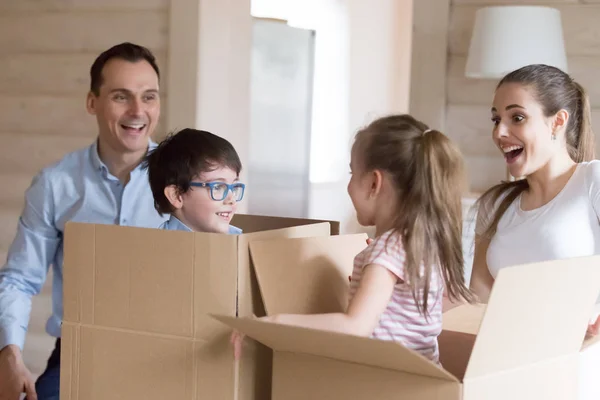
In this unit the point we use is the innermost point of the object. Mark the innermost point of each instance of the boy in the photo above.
(194, 177)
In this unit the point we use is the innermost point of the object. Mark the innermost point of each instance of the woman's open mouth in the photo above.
(511, 153)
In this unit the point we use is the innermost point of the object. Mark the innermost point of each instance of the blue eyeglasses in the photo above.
(220, 190)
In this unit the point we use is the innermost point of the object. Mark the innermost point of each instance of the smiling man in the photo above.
(103, 183)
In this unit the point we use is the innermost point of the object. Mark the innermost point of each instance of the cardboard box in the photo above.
(136, 311)
(589, 366)
(306, 275)
(525, 344)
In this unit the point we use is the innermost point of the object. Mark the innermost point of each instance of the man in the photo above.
(103, 183)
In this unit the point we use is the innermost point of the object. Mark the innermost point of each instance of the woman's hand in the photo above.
(593, 329)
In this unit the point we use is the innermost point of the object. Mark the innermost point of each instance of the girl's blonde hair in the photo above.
(427, 170)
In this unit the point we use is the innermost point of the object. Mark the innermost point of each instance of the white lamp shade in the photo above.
(506, 38)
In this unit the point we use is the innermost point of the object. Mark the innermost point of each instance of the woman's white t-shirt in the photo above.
(565, 227)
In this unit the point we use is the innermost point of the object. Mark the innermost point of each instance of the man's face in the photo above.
(127, 106)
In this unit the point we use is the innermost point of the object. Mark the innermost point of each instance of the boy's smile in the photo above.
(198, 209)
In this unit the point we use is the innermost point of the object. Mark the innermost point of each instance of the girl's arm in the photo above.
(481, 279)
(363, 313)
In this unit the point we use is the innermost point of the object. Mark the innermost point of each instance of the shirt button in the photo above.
(123, 221)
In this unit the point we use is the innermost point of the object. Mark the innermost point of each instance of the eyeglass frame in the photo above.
(228, 188)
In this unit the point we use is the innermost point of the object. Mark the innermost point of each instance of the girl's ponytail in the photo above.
(444, 179)
(427, 170)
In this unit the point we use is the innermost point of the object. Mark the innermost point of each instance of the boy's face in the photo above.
(203, 214)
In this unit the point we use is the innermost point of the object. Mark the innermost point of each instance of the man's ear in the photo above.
(90, 103)
(174, 196)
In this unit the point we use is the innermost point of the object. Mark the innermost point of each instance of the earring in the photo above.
(553, 136)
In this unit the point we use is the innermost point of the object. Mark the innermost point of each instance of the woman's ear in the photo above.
(174, 196)
(561, 119)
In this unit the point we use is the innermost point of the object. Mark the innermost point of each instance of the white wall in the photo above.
(378, 66)
(362, 70)
(330, 91)
(209, 69)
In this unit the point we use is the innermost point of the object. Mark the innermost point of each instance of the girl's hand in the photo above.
(237, 340)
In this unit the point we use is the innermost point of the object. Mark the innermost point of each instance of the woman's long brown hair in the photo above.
(555, 90)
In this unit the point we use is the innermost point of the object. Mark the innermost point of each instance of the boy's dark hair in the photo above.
(181, 157)
(124, 51)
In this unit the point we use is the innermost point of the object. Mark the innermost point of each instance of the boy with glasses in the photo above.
(194, 177)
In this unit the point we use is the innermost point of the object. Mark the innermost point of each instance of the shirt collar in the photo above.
(234, 230)
(95, 157)
(175, 224)
(98, 164)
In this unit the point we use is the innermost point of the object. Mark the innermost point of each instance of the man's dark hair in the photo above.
(124, 51)
(181, 157)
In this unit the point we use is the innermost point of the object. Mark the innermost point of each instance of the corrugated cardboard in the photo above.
(524, 344)
(315, 273)
(136, 311)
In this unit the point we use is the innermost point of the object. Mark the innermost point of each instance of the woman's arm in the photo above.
(481, 279)
(363, 313)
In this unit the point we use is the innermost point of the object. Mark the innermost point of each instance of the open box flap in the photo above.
(465, 318)
(535, 312)
(349, 348)
(305, 275)
(319, 229)
(249, 299)
(256, 223)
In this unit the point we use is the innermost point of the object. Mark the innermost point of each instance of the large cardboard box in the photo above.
(136, 311)
(525, 344)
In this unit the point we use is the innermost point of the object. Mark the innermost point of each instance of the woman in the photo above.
(542, 127)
